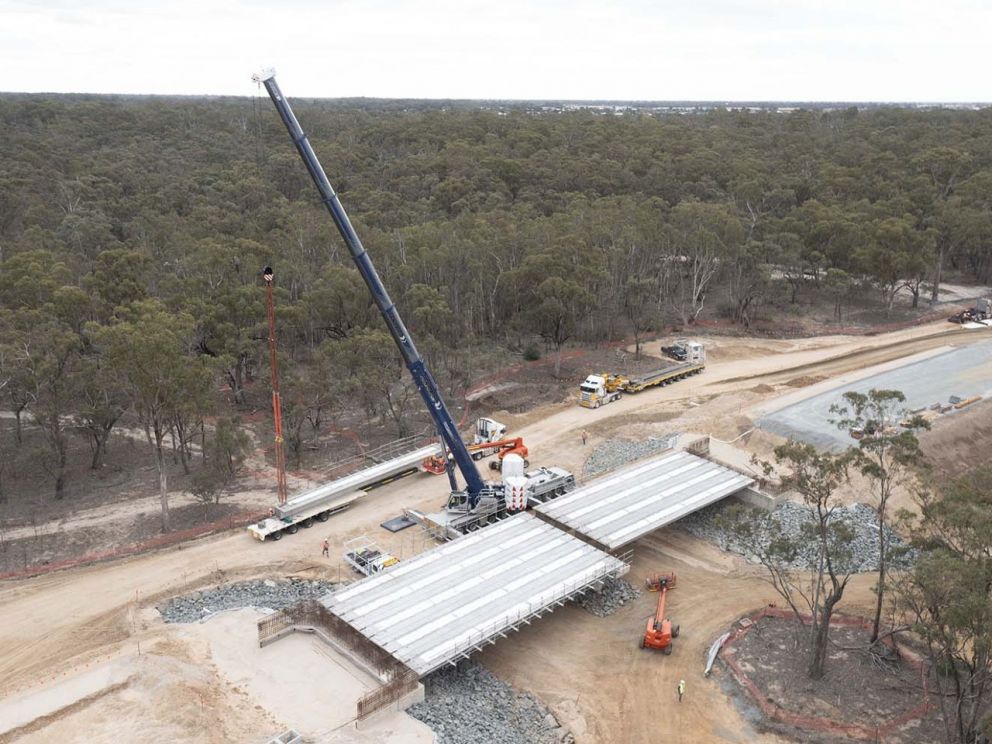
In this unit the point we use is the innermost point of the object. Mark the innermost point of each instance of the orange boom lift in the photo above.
(659, 632)
(436, 463)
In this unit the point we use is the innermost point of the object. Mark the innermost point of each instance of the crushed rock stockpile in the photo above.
(615, 453)
(790, 520)
(468, 704)
(275, 595)
(614, 595)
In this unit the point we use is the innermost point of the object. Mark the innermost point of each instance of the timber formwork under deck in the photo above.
(451, 601)
(617, 509)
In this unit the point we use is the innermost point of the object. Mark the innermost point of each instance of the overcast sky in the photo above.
(867, 50)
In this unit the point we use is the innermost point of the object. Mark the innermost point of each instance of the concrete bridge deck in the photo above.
(452, 600)
(619, 508)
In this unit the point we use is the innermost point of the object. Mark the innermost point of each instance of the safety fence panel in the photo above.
(403, 683)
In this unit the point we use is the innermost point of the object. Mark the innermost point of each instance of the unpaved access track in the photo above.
(588, 669)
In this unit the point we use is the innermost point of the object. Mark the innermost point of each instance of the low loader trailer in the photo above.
(319, 503)
(598, 390)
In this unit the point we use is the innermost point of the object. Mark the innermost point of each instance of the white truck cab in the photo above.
(694, 351)
(593, 392)
(488, 430)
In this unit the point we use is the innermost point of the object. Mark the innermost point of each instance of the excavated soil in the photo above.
(857, 688)
(956, 443)
(588, 670)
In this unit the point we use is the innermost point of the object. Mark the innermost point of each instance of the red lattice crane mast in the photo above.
(270, 310)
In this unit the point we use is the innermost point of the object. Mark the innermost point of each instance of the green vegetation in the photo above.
(888, 455)
(132, 232)
(948, 598)
(817, 589)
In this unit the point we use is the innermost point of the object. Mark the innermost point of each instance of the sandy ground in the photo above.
(600, 683)
(272, 676)
(170, 695)
(205, 669)
(589, 669)
(957, 443)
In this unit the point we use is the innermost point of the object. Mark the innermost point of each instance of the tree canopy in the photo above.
(489, 225)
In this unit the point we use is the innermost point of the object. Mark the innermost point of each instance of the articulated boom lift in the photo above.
(659, 631)
(475, 487)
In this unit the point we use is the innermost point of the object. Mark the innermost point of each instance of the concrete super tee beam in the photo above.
(619, 508)
(445, 603)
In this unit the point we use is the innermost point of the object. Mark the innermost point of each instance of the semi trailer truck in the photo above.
(598, 390)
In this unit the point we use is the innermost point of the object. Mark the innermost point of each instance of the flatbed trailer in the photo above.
(274, 527)
(321, 502)
(665, 376)
(598, 390)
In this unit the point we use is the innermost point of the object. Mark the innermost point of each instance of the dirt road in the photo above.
(53, 623)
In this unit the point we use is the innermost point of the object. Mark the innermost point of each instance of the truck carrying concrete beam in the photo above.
(321, 502)
(358, 480)
(598, 390)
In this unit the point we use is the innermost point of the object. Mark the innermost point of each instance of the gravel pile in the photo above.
(275, 595)
(788, 520)
(614, 595)
(615, 453)
(467, 704)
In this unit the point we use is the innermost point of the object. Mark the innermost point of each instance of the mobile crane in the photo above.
(478, 495)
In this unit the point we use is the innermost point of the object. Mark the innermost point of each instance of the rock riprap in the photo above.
(468, 704)
(269, 593)
(792, 521)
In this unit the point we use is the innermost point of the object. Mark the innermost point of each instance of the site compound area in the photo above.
(716, 538)
(526, 627)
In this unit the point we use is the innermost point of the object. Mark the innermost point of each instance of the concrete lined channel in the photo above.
(963, 372)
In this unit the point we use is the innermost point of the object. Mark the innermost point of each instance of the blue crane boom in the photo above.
(422, 377)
